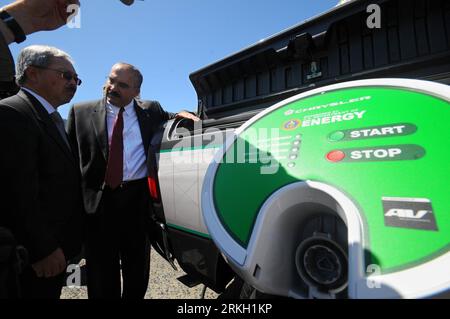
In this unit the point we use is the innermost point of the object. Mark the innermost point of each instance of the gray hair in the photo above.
(39, 55)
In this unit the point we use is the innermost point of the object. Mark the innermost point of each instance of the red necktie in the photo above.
(114, 169)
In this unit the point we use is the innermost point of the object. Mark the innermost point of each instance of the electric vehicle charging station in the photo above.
(342, 190)
(323, 188)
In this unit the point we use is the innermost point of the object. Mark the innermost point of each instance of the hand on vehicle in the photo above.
(187, 115)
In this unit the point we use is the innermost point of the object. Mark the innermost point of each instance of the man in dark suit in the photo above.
(40, 190)
(112, 136)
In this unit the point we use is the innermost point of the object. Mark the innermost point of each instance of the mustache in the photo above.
(114, 94)
(72, 89)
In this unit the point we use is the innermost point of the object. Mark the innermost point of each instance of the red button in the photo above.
(335, 156)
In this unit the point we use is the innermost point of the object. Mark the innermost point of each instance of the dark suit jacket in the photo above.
(87, 129)
(6, 62)
(40, 180)
(7, 84)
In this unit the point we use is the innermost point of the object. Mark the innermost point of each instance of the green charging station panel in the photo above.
(384, 144)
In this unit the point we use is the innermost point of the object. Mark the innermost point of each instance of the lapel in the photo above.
(99, 123)
(144, 125)
(43, 117)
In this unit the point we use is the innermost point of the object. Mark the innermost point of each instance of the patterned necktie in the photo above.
(114, 169)
(59, 122)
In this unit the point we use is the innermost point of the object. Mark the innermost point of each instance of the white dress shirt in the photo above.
(134, 158)
(50, 109)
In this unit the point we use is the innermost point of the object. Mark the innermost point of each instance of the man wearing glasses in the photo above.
(113, 137)
(41, 191)
(23, 17)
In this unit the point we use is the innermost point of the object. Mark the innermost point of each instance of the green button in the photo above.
(336, 136)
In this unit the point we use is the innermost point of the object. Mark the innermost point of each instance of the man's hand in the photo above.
(50, 266)
(39, 15)
(187, 115)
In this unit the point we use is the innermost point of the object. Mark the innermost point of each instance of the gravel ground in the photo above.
(163, 284)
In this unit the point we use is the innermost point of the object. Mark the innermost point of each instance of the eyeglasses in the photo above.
(66, 75)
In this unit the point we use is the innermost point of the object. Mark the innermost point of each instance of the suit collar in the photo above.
(99, 123)
(35, 106)
(129, 109)
(48, 107)
(101, 130)
(144, 124)
(42, 116)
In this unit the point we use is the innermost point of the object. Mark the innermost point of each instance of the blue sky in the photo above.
(167, 40)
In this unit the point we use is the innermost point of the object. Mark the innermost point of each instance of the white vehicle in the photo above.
(341, 189)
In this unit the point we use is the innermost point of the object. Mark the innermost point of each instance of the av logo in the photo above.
(406, 213)
(412, 213)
